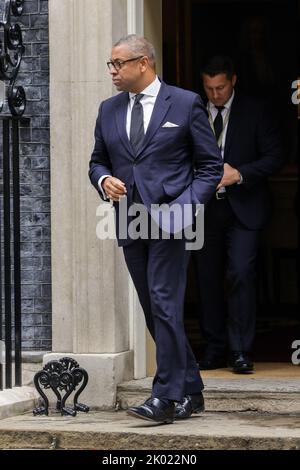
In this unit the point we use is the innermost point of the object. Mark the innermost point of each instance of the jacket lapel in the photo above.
(121, 116)
(233, 124)
(161, 107)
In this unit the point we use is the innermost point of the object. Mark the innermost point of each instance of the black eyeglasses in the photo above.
(117, 64)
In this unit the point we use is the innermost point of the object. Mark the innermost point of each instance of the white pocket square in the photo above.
(170, 124)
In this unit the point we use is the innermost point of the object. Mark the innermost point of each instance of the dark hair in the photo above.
(219, 64)
(140, 46)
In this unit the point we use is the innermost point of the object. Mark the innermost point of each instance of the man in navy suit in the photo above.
(249, 138)
(153, 145)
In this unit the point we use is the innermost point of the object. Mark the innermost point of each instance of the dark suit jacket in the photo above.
(175, 164)
(253, 146)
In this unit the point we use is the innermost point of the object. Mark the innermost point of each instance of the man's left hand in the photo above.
(231, 176)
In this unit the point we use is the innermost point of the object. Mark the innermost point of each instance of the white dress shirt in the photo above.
(148, 101)
(225, 115)
(213, 111)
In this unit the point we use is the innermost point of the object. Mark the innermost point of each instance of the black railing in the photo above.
(11, 52)
(10, 260)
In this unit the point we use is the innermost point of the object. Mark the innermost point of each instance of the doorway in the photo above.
(261, 37)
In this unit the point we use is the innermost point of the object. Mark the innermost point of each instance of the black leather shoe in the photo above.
(154, 410)
(210, 363)
(191, 404)
(240, 363)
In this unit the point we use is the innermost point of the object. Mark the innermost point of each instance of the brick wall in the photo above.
(35, 179)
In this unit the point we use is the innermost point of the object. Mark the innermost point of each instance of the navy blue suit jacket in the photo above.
(253, 146)
(175, 164)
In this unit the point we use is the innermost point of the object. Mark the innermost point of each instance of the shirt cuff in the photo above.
(100, 186)
(241, 179)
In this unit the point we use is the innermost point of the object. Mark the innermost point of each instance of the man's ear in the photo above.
(233, 80)
(144, 63)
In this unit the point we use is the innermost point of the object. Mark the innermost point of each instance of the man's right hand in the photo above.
(114, 188)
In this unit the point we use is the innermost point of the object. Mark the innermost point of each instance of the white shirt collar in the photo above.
(227, 105)
(150, 90)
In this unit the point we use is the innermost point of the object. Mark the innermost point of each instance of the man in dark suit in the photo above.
(249, 139)
(153, 144)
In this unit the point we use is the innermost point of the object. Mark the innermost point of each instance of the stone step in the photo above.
(118, 431)
(17, 400)
(223, 395)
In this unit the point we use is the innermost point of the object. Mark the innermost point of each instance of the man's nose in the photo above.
(215, 93)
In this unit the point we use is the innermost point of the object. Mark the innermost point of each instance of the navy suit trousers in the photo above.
(229, 248)
(158, 269)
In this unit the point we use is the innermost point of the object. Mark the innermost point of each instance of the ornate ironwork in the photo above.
(63, 375)
(11, 52)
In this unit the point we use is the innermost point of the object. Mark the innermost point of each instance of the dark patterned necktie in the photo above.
(137, 132)
(218, 122)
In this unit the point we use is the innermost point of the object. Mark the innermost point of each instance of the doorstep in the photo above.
(117, 431)
(266, 391)
(17, 400)
(242, 413)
